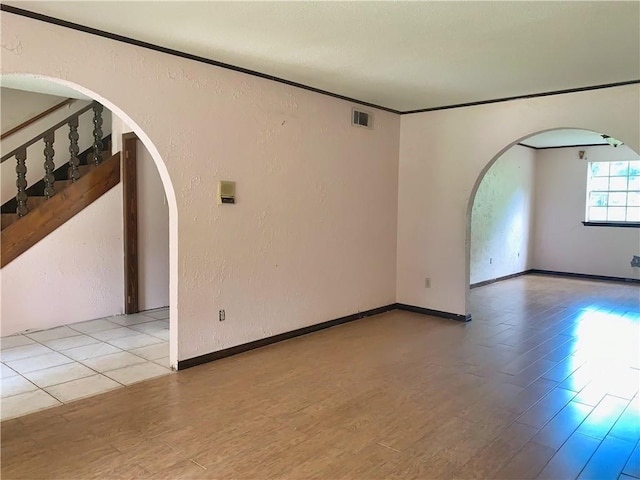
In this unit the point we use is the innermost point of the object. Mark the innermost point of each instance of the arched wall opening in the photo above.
(168, 191)
(442, 155)
(545, 202)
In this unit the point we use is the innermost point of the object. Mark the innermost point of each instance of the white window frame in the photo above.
(617, 197)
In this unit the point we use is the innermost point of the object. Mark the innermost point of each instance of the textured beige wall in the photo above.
(18, 106)
(313, 235)
(75, 274)
(443, 155)
(502, 217)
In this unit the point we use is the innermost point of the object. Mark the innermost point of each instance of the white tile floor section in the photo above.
(41, 369)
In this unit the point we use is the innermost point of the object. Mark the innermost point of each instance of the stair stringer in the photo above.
(18, 237)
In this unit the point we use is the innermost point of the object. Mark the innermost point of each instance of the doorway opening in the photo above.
(64, 335)
(553, 283)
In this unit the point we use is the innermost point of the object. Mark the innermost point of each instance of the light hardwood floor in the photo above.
(543, 383)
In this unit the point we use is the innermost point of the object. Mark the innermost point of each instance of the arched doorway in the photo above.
(537, 204)
(166, 186)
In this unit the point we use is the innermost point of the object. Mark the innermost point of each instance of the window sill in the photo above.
(612, 224)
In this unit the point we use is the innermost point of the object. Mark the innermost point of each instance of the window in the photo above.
(613, 192)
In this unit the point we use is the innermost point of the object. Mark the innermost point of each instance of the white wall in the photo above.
(502, 217)
(561, 242)
(20, 105)
(312, 236)
(442, 156)
(153, 234)
(74, 274)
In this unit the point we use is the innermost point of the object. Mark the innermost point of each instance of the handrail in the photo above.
(35, 118)
(46, 132)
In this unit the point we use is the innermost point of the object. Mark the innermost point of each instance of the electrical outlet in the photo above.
(427, 282)
(221, 315)
(490, 261)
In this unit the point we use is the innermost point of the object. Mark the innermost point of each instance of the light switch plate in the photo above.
(226, 192)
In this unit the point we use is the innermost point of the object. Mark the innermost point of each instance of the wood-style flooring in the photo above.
(543, 383)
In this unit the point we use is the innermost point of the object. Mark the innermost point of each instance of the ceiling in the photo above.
(400, 55)
(563, 138)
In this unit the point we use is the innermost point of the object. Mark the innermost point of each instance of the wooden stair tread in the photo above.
(84, 169)
(8, 219)
(35, 202)
(105, 154)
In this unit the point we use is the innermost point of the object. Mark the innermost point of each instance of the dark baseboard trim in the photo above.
(433, 313)
(584, 276)
(498, 279)
(263, 342)
(138, 43)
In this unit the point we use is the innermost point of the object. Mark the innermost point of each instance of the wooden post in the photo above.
(49, 166)
(97, 133)
(21, 182)
(130, 202)
(74, 161)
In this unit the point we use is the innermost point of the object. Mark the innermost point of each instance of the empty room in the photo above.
(287, 240)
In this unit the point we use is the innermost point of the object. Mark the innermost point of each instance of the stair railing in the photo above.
(48, 137)
(35, 118)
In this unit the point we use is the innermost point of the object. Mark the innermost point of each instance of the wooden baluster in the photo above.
(49, 166)
(21, 183)
(97, 133)
(74, 161)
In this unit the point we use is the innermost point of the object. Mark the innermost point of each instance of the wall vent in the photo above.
(361, 119)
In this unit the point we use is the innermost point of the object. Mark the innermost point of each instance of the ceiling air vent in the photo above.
(361, 119)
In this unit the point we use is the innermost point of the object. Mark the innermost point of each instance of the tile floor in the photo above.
(42, 369)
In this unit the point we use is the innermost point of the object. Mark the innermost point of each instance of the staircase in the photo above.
(39, 209)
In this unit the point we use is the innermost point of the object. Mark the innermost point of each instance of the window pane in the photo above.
(614, 191)
(617, 183)
(599, 183)
(598, 199)
(618, 199)
(619, 169)
(616, 214)
(597, 213)
(600, 169)
(633, 199)
(633, 214)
